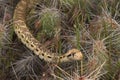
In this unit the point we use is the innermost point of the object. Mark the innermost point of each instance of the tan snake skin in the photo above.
(27, 38)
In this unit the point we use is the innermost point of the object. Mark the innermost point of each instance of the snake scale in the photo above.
(34, 45)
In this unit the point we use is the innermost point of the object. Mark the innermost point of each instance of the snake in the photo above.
(23, 33)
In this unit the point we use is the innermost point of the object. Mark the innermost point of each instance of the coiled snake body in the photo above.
(27, 38)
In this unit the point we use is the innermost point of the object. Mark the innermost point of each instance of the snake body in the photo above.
(34, 45)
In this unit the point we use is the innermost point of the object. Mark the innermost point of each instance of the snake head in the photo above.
(73, 54)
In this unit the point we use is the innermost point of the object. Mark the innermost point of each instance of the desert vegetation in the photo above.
(91, 26)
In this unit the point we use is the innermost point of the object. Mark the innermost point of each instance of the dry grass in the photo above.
(92, 26)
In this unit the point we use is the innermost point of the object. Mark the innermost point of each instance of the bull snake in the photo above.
(34, 45)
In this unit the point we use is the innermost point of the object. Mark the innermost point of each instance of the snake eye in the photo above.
(72, 54)
(69, 55)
